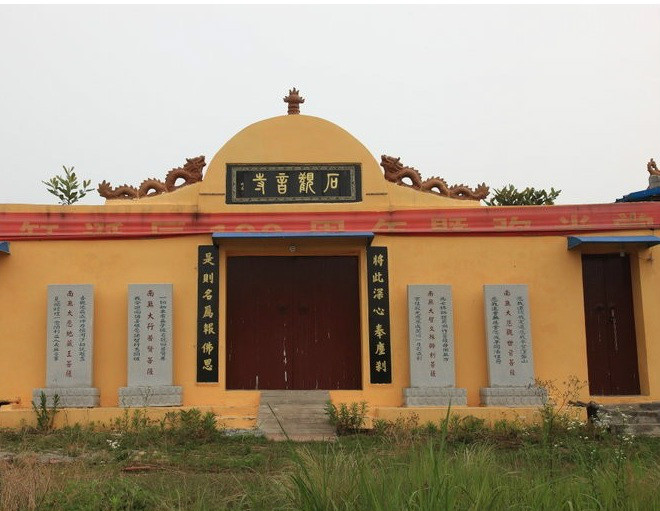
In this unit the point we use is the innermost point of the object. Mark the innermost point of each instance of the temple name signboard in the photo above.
(293, 183)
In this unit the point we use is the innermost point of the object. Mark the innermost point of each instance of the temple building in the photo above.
(297, 261)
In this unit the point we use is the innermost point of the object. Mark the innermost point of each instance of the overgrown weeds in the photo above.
(185, 462)
(24, 484)
(456, 464)
(347, 418)
(432, 474)
(181, 427)
(557, 414)
(45, 413)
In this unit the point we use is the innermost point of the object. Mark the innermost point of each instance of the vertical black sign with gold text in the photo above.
(380, 358)
(207, 314)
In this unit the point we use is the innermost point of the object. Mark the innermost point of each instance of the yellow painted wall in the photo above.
(109, 266)
(552, 273)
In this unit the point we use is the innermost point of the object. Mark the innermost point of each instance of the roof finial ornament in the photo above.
(294, 99)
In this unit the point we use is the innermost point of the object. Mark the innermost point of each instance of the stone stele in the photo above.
(509, 343)
(70, 347)
(150, 348)
(431, 348)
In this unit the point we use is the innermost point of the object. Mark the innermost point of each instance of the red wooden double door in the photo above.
(610, 325)
(293, 323)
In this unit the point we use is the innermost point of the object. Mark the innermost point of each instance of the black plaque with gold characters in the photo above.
(207, 314)
(380, 357)
(289, 183)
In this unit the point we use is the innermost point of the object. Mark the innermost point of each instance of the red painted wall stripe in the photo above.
(536, 220)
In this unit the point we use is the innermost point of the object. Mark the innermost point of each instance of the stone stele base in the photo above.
(513, 396)
(159, 395)
(69, 397)
(435, 396)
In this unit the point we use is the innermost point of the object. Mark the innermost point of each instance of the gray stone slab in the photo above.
(509, 339)
(435, 396)
(70, 336)
(149, 335)
(654, 181)
(140, 396)
(513, 396)
(69, 397)
(431, 336)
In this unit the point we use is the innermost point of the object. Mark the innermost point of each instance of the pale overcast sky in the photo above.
(563, 96)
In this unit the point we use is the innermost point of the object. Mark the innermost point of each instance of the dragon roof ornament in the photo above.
(191, 173)
(396, 172)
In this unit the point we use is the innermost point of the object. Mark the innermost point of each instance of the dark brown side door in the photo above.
(610, 325)
(293, 323)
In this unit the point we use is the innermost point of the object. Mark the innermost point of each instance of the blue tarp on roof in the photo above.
(4, 247)
(648, 241)
(652, 194)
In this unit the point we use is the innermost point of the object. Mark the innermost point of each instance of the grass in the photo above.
(185, 463)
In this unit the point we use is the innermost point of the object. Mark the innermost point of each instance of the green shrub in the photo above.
(466, 429)
(135, 429)
(402, 430)
(187, 425)
(347, 419)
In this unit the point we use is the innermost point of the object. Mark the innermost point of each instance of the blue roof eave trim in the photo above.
(576, 241)
(4, 247)
(218, 236)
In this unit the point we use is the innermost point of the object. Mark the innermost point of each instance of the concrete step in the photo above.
(635, 417)
(653, 405)
(638, 429)
(647, 429)
(290, 408)
(303, 438)
(297, 397)
(294, 419)
(299, 413)
(628, 407)
(301, 431)
(266, 413)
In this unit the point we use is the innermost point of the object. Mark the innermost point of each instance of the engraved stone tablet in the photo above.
(69, 347)
(431, 344)
(509, 343)
(150, 348)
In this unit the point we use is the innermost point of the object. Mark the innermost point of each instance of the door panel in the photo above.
(610, 325)
(256, 349)
(326, 326)
(294, 322)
